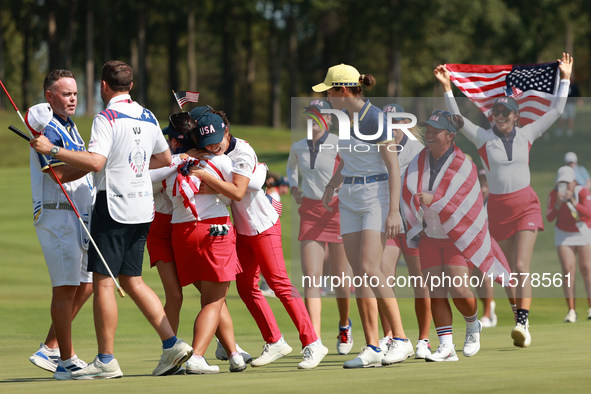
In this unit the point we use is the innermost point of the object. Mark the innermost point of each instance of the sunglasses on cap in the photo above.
(182, 122)
(441, 112)
(205, 111)
(505, 111)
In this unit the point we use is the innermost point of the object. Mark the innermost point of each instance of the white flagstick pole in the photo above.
(177, 100)
(14, 105)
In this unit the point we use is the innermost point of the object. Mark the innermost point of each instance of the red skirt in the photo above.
(513, 212)
(317, 224)
(200, 256)
(400, 242)
(436, 252)
(159, 242)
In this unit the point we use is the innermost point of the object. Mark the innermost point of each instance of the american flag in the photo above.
(277, 205)
(187, 186)
(533, 86)
(458, 202)
(186, 97)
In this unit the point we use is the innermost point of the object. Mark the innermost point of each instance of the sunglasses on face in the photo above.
(505, 111)
(182, 122)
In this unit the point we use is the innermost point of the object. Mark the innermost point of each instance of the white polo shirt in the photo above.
(506, 160)
(254, 213)
(315, 165)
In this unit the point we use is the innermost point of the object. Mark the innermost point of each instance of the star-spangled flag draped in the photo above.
(187, 186)
(533, 86)
(186, 97)
(458, 202)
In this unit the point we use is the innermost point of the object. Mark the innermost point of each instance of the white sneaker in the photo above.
(265, 289)
(589, 314)
(423, 349)
(486, 322)
(445, 352)
(237, 363)
(313, 354)
(520, 334)
(98, 370)
(172, 359)
(65, 368)
(46, 358)
(571, 316)
(366, 359)
(398, 352)
(199, 366)
(345, 339)
(385, 343)
(272, 352)
(221, 354)
(489, 322)
(472, 341)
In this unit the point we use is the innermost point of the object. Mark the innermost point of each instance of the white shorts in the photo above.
(566, 238)
(59, 234)
(364, 207)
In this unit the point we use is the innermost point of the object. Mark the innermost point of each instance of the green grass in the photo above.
(558, 359)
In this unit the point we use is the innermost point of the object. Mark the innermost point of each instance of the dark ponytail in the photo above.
(367, 80)
(457, 121)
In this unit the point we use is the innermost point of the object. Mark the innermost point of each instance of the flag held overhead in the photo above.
(533, 86)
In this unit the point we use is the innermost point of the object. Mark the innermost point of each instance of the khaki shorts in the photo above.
(58, 232)
(364, 207)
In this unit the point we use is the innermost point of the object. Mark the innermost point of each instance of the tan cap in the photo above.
(337, 76)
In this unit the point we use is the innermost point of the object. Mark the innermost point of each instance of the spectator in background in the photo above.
(581, 174)
(570, 205)
(271, 186)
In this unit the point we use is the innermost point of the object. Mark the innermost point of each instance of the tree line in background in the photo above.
(249, 57)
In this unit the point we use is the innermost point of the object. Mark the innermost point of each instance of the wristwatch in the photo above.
(54, 151)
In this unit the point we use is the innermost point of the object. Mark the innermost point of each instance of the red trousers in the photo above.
(264, 253)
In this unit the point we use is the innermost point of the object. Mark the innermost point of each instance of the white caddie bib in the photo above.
(127, 134)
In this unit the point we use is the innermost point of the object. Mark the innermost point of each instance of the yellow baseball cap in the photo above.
(341, 75)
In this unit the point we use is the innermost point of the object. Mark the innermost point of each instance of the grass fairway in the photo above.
(557, 361)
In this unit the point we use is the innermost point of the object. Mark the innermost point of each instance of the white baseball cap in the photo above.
(565, 174)
(38, 117)
(570, 157)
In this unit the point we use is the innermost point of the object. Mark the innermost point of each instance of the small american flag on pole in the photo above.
(533, 86)
(185, 97)
(276, 204)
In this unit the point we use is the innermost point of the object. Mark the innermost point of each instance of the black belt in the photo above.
(356, 180)
(61, 205)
